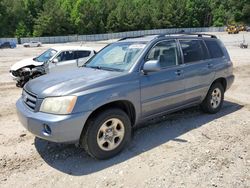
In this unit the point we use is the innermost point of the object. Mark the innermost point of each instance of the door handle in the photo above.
(178, 72)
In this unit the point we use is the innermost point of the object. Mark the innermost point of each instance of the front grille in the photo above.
(29, 99)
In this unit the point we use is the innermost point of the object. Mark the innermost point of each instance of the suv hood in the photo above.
(24, 63)
(68, 82)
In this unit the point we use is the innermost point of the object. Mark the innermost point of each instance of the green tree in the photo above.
(21, 30)
(52, 21)
(63, 17)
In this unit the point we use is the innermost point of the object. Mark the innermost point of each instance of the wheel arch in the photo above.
(222, 81)
(124, 105)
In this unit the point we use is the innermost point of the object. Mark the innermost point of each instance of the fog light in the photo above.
(46, 130)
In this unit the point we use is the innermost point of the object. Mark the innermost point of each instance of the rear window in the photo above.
(193, 50)
(214, 49)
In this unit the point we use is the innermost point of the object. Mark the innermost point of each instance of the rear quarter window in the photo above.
(193, 50)
(214, 49)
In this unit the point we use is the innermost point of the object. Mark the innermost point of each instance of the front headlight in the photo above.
(58, 105)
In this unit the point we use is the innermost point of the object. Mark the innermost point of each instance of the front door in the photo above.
(165, 89)
(66, 61)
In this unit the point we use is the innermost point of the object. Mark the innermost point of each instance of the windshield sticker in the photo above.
(137, 46)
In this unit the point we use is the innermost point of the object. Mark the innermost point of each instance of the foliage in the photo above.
(22, 18)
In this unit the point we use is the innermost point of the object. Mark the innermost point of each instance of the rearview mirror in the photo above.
(151, 66)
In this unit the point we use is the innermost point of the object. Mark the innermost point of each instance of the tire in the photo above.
(214, 99)
(99, 140)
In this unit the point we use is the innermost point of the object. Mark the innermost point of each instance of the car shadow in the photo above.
(74, 161)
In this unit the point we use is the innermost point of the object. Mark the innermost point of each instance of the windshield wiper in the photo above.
(105, 68)
(111, 69)
(94, 67)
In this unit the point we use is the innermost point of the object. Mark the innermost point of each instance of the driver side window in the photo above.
(166, 52)
(65, 56)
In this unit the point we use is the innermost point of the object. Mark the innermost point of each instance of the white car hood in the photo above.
(24, 63)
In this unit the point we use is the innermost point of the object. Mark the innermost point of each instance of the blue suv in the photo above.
(126, 83)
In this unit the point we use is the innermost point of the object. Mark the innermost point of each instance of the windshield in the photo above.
(117, 57)
(45, 56)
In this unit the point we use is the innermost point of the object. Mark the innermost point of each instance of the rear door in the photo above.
(198, 71)
(32, 44)
(6, 45)
(83, 56)
(165, 89)
(218, 59)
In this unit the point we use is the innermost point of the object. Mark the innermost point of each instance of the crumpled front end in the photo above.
(23, 75)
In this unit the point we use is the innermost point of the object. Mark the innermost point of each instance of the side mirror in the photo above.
(151, 66)
(55, 60)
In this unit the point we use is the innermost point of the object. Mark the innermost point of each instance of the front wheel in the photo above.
(214, 99)
(106, 134)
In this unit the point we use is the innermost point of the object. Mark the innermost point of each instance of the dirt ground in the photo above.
(184, 149)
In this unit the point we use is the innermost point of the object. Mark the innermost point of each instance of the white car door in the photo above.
(33, 44)
(64, 61)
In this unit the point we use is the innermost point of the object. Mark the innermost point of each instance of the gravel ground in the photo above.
(184, 149)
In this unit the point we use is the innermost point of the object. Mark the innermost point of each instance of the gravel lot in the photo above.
(184, 149)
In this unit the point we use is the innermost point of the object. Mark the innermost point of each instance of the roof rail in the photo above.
(164, 34)
(137, 36)
(124, 38)
(185, 33)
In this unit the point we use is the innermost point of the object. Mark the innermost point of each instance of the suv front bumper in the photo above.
(64, 128)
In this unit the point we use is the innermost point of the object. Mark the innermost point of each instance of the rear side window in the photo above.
(193, 50)
(82, 54)
(214, 49)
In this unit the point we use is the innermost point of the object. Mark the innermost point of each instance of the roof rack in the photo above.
(169, 34)
(137, 36)
(124, 38)
(184, 33)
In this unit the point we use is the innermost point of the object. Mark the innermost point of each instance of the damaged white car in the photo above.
(53, 59)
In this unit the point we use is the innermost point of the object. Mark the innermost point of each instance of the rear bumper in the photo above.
(230, 80)
(64, 128)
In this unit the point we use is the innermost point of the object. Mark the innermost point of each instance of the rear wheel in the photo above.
(214, 99)
(106, 134)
